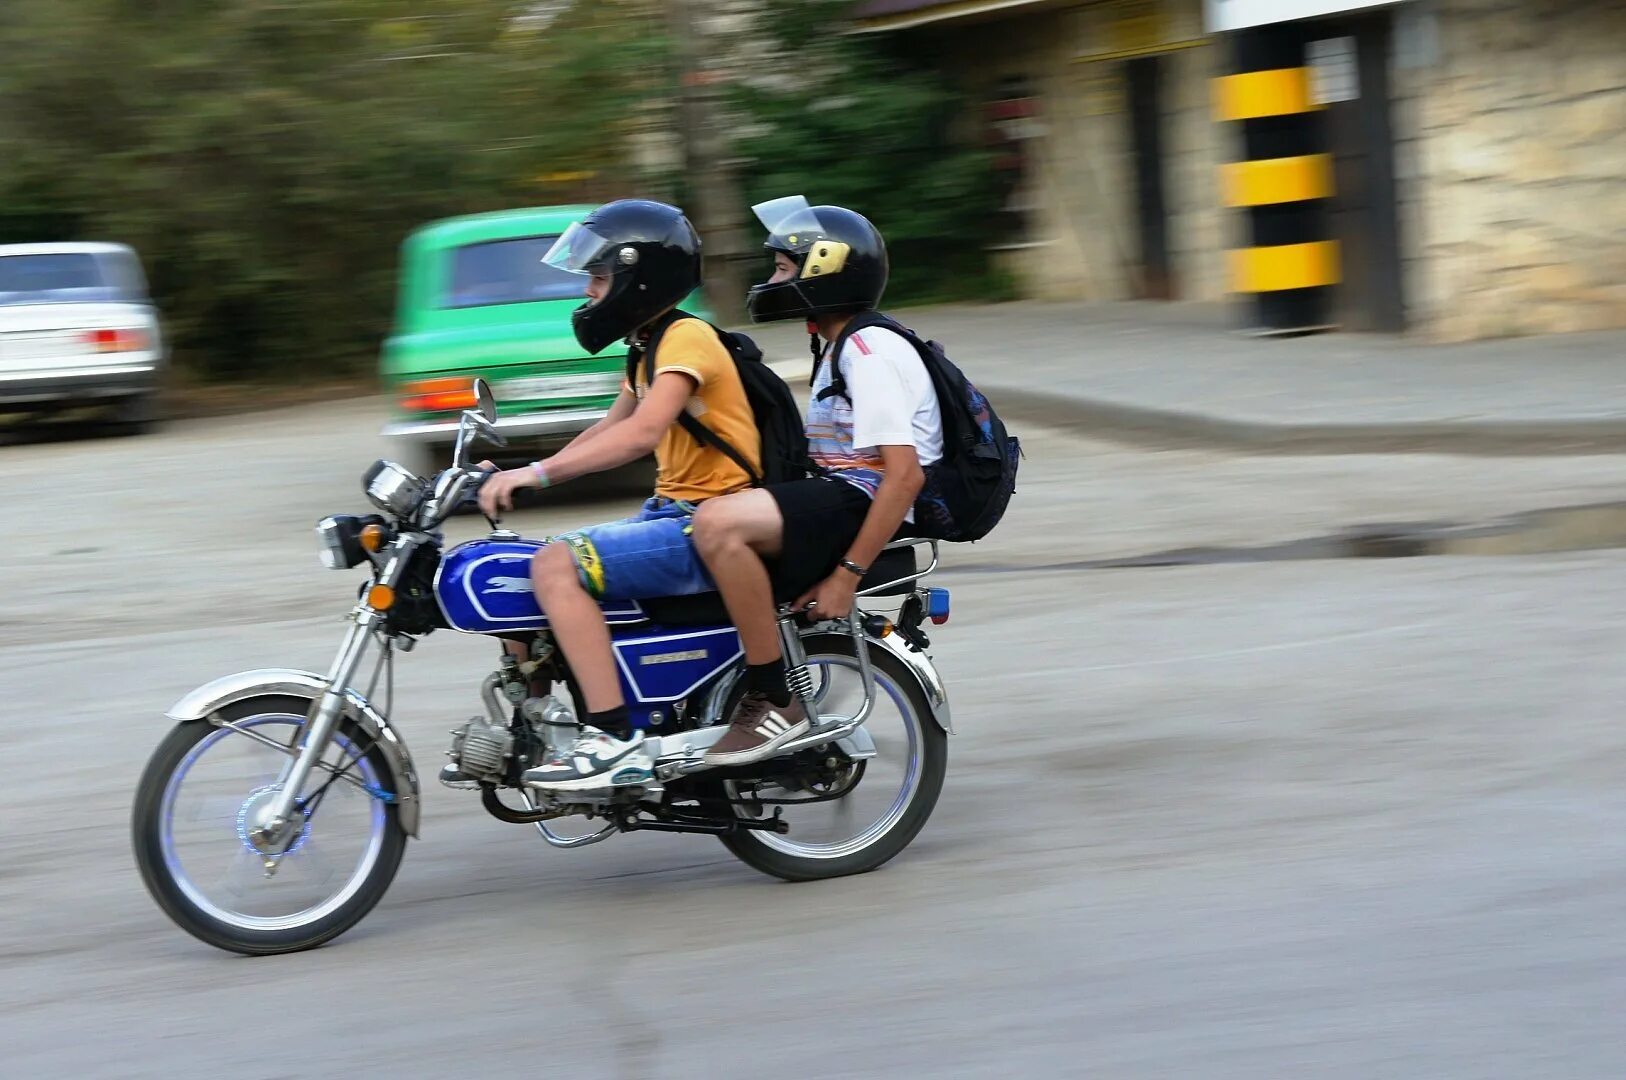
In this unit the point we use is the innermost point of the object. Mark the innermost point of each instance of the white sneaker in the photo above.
(597, 760)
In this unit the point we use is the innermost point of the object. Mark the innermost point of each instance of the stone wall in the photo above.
(1512, 161)
(1201, 228)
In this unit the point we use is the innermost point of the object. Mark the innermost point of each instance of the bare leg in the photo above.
(578, 625)
(733, 534)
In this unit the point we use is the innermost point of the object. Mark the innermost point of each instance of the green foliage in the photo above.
(863, 128)
(266, 158)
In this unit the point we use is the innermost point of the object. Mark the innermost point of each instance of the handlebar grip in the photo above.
(476, 479)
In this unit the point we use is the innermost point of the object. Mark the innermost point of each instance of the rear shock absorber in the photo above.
(797, 678)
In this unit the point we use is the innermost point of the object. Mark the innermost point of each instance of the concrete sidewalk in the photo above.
(1183, 375)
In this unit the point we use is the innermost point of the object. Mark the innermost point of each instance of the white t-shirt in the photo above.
(892, 404)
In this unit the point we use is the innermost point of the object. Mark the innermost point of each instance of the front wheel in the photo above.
(847, 816)
(221, 881)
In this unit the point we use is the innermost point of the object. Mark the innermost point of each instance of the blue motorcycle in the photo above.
(274, 815)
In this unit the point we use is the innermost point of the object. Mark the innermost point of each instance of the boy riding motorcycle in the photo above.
(641, 259)
(873, 426)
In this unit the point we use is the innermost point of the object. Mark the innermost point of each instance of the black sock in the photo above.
(616, 721)
(769, 679)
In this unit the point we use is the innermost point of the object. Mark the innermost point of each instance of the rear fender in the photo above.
(206, 701)
(925, 672)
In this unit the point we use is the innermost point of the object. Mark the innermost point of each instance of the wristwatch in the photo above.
(861, 571)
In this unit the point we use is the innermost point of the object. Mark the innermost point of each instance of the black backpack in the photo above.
(779, 421)
(966, 491)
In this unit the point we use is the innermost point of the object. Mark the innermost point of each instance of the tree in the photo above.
(267, 158)
(841, 120)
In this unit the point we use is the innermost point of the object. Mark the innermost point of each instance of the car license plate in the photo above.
(559, 386)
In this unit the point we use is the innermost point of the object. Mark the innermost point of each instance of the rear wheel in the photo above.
(847, 816)
(192, 829)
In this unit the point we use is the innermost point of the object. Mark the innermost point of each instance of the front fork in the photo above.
(325, 711)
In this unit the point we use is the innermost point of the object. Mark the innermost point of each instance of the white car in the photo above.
(77, 332)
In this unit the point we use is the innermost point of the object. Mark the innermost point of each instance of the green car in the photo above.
(476, 299)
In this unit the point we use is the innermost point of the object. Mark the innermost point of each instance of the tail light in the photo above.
(937, 606)
(438, 395)
(116, 341)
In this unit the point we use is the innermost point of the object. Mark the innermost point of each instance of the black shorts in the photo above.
(822, 517)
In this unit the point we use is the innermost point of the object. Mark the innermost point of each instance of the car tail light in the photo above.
(438, 395)
(116, 341)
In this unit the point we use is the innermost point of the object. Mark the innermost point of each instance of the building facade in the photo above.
(1446, 168)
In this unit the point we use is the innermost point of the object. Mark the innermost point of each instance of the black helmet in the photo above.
(842, 256)
(651, 255)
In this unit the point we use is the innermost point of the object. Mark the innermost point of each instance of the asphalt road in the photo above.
(1352, 818)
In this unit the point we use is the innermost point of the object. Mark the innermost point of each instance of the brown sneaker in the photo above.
(758, 729)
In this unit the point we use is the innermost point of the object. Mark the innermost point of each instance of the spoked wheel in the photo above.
(219, 877)
(847, 816)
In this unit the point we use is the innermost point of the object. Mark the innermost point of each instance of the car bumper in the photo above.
(555, 423)
(44, 387)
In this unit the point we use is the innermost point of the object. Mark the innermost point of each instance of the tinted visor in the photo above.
(580, 250)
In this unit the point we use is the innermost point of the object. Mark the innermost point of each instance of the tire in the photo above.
(148, 837)
(764, 851)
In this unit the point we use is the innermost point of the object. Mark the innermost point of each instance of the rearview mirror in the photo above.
(486, 400)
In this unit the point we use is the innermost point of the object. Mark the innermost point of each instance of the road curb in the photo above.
(1168, 429)
(1173, 429)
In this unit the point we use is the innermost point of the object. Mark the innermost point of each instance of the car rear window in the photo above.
(507, 272)
(69, 277)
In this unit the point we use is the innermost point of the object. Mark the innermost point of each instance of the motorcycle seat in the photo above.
(706, 609)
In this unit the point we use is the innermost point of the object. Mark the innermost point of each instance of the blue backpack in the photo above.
(967, 490)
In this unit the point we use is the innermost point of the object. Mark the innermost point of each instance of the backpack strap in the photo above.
(638, 350)
(860, 321)
(697, 431)
(953, 428)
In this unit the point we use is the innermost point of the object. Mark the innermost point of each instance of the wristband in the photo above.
(541, 474)
(861, 571)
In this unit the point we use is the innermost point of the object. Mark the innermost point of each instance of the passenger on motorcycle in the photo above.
(641, 259)
(874, 442)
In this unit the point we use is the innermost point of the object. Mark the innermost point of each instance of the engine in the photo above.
(481, 750)
(486, 752)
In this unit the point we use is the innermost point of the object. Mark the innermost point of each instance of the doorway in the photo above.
(1143, 77)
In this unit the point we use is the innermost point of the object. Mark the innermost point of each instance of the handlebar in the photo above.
(471, 487)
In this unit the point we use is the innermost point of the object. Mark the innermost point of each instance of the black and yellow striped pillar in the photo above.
(1284, 181)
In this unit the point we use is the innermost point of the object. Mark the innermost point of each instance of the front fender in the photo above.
(206, 701)
(930, 681)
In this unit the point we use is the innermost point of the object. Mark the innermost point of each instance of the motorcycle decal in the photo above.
(508, 585)
(674, 657)
(662, 667)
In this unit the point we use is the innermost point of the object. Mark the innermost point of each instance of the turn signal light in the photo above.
(438, 395)
(372, 538)
(380, 597)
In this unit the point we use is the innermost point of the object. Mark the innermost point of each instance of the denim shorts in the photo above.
(647, 555)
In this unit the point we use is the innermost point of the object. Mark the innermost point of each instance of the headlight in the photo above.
(392, 489)
(340, 540)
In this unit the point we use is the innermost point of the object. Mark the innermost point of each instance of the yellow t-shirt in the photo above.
(687, 468)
